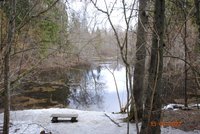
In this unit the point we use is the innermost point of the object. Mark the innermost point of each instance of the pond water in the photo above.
(96, 90)
(81, 87)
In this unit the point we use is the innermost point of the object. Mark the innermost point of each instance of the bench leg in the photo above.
(73, 119)
(54, 119)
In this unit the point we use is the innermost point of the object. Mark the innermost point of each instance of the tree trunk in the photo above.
(197, 14)
(139, 71)
(152, 111)
(11, 32)
(186, 55)
(6, 93)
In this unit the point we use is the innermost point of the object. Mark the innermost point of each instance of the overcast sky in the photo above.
(97, 18)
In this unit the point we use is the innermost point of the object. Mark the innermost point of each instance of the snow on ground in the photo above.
(89, 122)
(179, 106)
(173, 106)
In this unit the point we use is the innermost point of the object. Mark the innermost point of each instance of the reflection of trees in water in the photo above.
(114, 65)
(89, 90)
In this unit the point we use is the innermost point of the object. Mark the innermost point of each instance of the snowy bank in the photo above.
(179, 106)
(89, 122)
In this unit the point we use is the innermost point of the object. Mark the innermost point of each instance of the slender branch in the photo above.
(26, 15)
(114, 29)
(37, 125)
(188, 63)
(113, 120)
(30, 70)
(39, 14)
(44, 11)
(116, 86)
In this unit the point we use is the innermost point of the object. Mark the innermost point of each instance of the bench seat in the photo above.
(55, 117)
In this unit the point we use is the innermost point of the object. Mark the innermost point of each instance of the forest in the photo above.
(133, 65)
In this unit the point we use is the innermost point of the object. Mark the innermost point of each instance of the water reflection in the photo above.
(110, 90)
(96, 89)
(81, 87)
(86, 91)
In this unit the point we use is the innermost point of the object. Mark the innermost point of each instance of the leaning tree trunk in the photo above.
(139, 71)
(11, 32)
(152, 111)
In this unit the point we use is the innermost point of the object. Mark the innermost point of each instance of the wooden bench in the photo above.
(55, 117)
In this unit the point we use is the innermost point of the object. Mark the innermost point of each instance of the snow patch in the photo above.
(89, 122)
(179, 106)
(173, 107)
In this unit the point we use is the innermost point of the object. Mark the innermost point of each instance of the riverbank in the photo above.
(89, 122)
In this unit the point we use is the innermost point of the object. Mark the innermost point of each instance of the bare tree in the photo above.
(186, 52)
(197, 5)
(152, 111)
(7, 52)
(123, 46)
(7, 47)
(139, 71)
